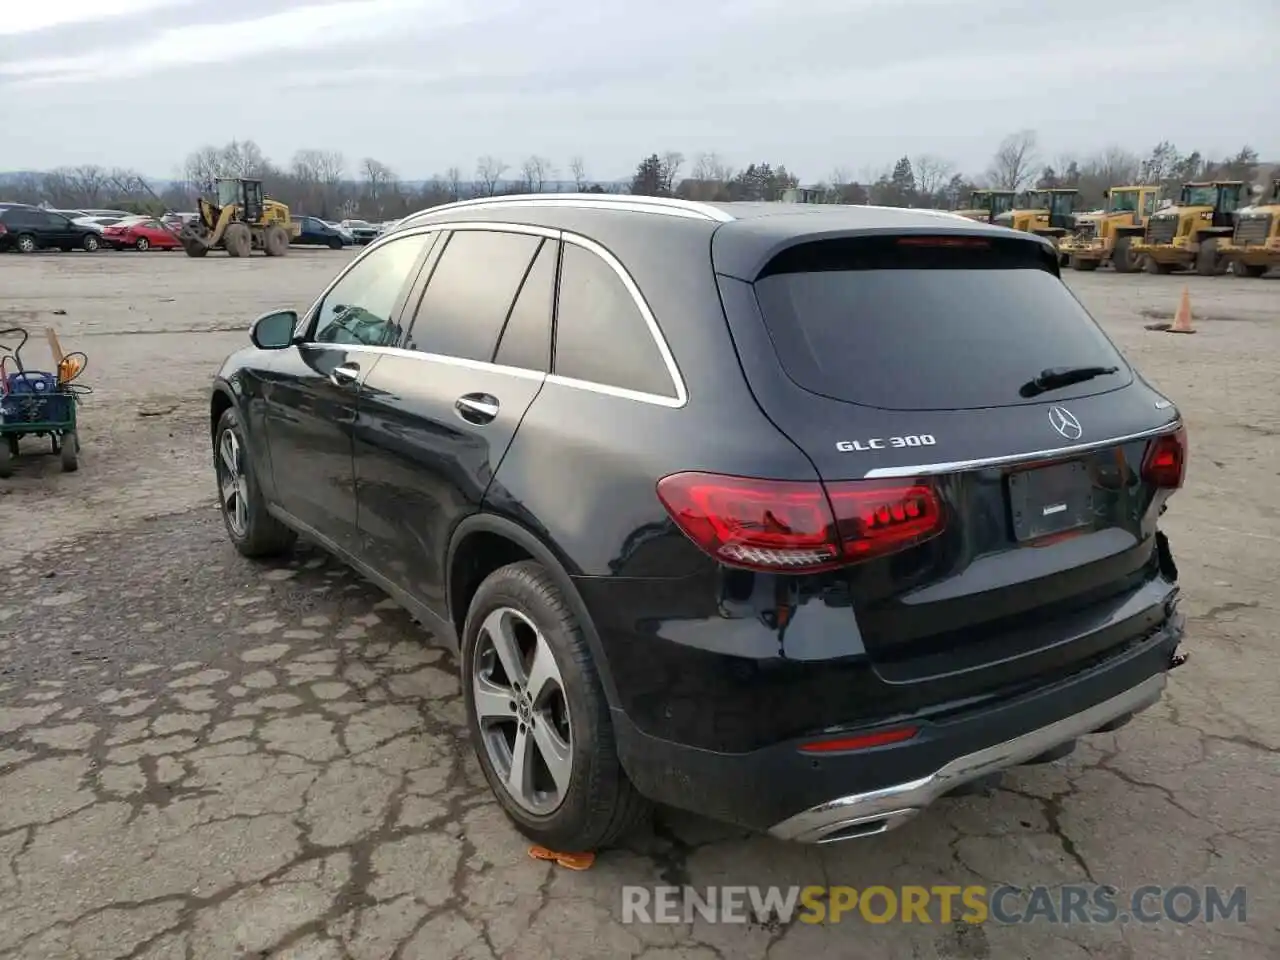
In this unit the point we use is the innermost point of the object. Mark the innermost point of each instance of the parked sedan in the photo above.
(362, 231)
(315, 232)
(143, 233)
(27, 229)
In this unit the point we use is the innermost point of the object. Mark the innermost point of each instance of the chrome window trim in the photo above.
(668, 359)
(956, 466)
(668, 206)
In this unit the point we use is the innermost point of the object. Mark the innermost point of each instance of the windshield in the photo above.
(1199, 196)
(848, 318)
(1123, 201)
(1002, 203)
(228, 192)
(1037, 200)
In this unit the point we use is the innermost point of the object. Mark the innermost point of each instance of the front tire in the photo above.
(1209, 262)
(68, 452)
(238, 240)
(142, 244)
(538, 716)
(1122, 256)
(252, 529)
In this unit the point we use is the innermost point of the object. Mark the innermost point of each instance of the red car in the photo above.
(141, 234)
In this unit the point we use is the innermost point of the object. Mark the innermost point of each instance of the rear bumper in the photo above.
(819, 798)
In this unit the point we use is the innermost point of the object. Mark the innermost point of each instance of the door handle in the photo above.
(345, 375)
(477, 407)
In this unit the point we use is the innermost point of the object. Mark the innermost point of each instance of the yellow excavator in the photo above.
(1254, 246)
(986, 205)
(242, 220)
(1106, 237)
(1188, 234)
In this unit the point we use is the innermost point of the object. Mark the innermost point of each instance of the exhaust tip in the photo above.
(863, 827)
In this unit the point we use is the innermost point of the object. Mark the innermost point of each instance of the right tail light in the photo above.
(1165, 464)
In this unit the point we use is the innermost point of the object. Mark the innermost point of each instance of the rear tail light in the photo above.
(3, 229)
(1165, 464)
(800, 527)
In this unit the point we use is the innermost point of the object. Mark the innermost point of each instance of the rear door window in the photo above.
(928, 324)
(526, 338)
(470, 293)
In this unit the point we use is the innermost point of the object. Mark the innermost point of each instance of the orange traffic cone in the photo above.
(1182, 319)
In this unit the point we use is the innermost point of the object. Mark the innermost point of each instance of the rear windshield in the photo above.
(919, 323)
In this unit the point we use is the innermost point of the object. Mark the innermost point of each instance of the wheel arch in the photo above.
(484, 542)
(221, 399)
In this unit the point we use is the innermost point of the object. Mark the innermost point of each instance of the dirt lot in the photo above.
(206, 758)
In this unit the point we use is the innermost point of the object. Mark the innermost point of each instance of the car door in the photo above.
(310, 401)
(436, 417)
(57, 231)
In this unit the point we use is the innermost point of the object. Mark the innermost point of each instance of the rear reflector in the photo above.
(881, 738)
(800, 527)
(1165, 464)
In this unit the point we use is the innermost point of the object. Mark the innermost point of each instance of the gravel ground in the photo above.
(201, 757)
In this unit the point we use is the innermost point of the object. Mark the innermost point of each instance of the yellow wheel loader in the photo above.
(986, 205)
(241, 221)
(1107, 237)
(1254, 247)
(1189, 234)
(1048, 213)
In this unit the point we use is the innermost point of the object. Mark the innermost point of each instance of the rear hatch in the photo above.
(983, 445)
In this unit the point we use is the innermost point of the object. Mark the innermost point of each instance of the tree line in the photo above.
(325, 183)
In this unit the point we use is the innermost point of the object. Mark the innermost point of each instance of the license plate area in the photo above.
(1049, 500)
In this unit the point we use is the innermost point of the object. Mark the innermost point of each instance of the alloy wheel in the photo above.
(233, 484)
(26, 244)
(522, 711)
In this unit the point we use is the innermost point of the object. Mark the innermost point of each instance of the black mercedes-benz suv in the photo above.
(797, 516)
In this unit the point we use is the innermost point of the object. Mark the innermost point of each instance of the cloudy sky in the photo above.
(814, 84)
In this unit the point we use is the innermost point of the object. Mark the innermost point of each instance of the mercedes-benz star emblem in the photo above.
(1065, 422)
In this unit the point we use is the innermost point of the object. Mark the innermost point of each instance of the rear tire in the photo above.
(25, 243)
(68, 452)
(91, 243)
(592, 804)
(1084, 266)
(335, 243)
(1209, 262)
(1253, 270)
(1155, 267)
(6, 459)
(1121, 256)
(275, 241)
(254, 532)
(238, 239)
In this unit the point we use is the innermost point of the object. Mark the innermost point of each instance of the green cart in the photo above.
(35, 403)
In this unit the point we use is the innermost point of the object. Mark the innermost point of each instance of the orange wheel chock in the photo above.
(570, 861)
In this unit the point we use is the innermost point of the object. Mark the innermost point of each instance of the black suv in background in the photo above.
(799, 517)
(27, 229)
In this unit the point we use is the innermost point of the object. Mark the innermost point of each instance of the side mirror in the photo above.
(274, 331)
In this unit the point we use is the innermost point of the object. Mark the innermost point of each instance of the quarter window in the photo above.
(601, 335)
(470, 293)
(361, 306)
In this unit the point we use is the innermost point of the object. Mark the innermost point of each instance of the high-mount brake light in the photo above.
(970, 242)
(1165, 463)
(800, 527)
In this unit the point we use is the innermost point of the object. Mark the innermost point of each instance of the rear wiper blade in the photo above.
(1055, 378)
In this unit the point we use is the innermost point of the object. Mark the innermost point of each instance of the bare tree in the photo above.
(534, 173)
(672, 161)
(1015, 163)
(489, 171)
(578, 170)
(932, 173)
(709, 168)
(453, 182)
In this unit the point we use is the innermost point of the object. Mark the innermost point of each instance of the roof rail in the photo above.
(669, 206)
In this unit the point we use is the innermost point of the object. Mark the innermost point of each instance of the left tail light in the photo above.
(800, 527)
(1165, 463)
